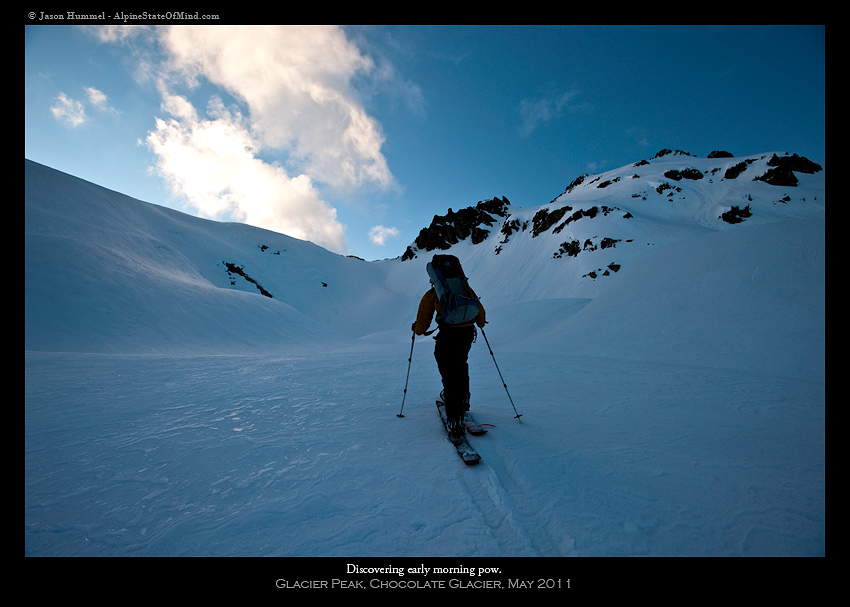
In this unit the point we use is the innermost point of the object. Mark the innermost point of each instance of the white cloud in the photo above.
(296, 83)
(379, 234)
(99, 100)
(298, 104)
(115, 33)
(639, 135)
(539, 111)
(213, 164)
(69, 111)
(73, 112)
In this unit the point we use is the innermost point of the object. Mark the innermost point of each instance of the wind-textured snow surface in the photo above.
(675, 407)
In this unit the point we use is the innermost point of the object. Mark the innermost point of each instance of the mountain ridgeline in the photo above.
(108, 273)
(674, 178)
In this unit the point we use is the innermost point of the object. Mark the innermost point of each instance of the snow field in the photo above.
(678, 410)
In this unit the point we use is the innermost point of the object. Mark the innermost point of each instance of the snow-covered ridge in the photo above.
(104, 269)
(109, 273)
(675, 407)
(602, 222)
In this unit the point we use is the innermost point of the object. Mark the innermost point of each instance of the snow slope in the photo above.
(673, 407)
(106, 273)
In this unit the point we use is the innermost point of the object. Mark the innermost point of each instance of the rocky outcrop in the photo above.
(736, 214)
(449, 229)
(783, 169)
(475, 223)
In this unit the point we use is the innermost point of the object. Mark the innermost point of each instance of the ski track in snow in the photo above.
(675, 409)
(254, 456)
(510, 511)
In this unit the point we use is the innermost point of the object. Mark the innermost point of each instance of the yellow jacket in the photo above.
(430, 304)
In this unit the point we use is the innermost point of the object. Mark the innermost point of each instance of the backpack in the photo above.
(458, 305)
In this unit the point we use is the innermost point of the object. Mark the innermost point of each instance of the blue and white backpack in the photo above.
(458, 304)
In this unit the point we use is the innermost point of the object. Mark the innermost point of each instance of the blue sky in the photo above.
(355, 137)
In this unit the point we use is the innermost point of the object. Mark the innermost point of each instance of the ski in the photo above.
(472, 426)
(477, 429)
(464, 449)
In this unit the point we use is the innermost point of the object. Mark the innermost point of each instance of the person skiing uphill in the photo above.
(458, 310)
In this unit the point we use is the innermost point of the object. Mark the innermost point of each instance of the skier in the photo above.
(451, 352)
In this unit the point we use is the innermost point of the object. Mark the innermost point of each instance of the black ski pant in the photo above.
(451, 352)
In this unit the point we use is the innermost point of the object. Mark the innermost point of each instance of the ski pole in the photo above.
(409, 362)
(518, 415)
